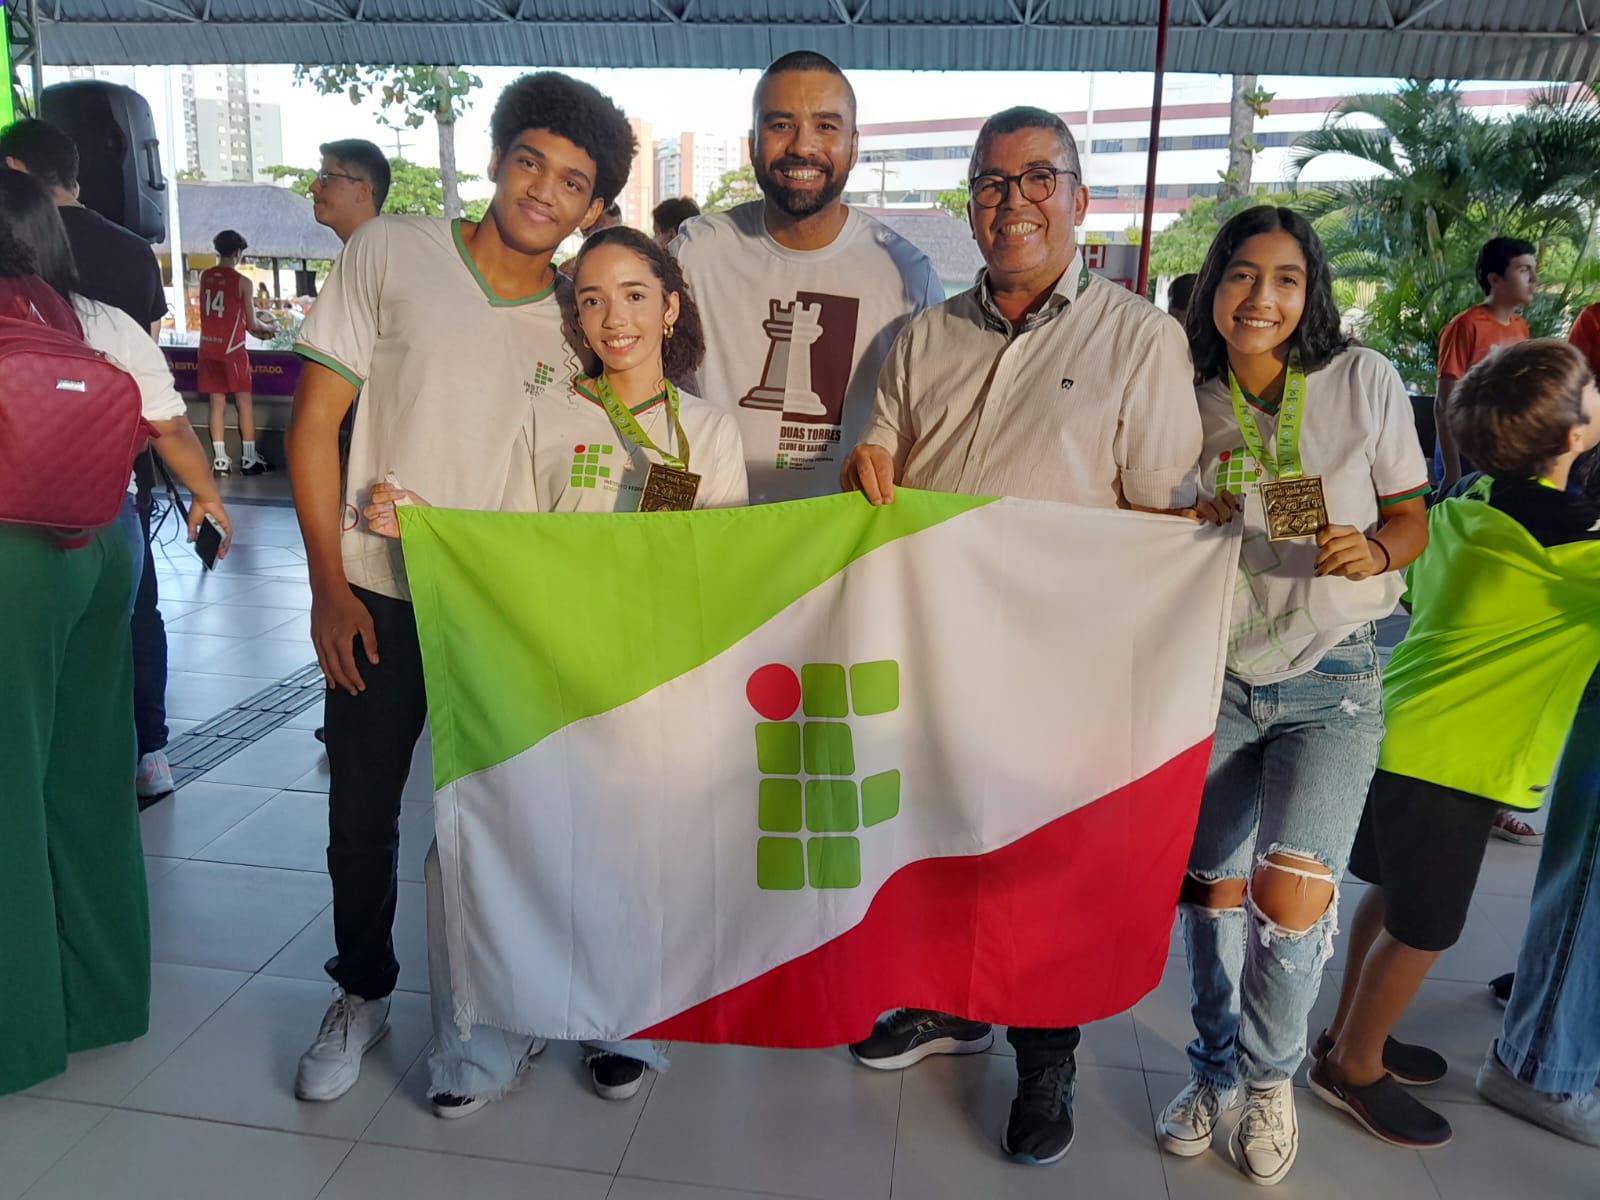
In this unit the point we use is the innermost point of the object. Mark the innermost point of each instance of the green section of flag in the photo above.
(529, 622)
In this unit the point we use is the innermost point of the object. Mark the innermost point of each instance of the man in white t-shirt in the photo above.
(453, 331)
(801, 295)
(1048, 383)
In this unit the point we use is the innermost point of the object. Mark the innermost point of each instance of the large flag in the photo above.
(757, 775)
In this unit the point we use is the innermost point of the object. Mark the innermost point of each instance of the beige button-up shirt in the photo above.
(1089, 401)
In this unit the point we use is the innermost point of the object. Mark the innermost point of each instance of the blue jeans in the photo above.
(1289, 773)
(484, 1064)
(133, 529)
(1551, 1035)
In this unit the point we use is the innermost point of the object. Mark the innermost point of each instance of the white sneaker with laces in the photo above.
(350, 1028)
(1187, 1123)
(1267, 1138)
(221, 465)
(155, 775)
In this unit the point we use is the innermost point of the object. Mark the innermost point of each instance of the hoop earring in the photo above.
(666, 332)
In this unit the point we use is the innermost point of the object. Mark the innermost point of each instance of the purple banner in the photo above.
(272, 372)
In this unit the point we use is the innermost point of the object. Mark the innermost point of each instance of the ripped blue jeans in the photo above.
(1289, 773)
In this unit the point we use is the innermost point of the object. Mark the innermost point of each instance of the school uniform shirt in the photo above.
(1469, 338)
(1358, 434)
(118, 336)
(584, 464)
(1089, 400)
(449, 373)
(795, 338)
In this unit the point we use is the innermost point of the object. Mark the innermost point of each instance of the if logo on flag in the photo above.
(1237, 471)
(810, 803)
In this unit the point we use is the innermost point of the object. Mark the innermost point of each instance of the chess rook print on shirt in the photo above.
(795, 339)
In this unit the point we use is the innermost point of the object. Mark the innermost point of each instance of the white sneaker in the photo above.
(1267, 1137)
(221, 465)
(1186, 1124)
(350, 1028)
(1576, 1116)
(155, 775)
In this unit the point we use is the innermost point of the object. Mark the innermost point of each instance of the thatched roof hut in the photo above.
(275, 221)
(944, 239)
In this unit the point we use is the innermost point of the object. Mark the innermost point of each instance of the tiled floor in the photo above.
(202, 1107)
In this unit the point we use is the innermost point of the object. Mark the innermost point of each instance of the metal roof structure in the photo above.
(1483, 39)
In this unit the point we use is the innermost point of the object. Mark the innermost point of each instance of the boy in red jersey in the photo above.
(227, 312)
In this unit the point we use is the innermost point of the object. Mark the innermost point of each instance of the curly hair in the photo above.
(1317, 338)
(582, 114)
(684, 350)
(33, 241)
(1513, 411)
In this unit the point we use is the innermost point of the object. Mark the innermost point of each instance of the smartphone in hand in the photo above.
(207, 542)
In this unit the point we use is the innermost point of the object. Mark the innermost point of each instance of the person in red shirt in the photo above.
(1585, 336)
(1508, 273)
(227, 312)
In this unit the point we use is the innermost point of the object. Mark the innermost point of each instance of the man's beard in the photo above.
(794, 201)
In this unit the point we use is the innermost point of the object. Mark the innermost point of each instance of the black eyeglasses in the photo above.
(1037, 184)
(322, 177)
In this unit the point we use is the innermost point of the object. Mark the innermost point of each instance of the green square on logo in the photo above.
(831, 806)
(780, 805)
(875, 687)
(780, 864)
(880, 797)
(778, 747)
(829, 749)
(835, 862)
(822, 685)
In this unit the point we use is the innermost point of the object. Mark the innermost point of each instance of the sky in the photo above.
(717, 102)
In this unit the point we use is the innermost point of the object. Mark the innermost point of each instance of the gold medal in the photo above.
(1295, 508)
(667, 489)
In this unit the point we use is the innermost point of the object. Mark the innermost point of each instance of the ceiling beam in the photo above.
(1427, 7)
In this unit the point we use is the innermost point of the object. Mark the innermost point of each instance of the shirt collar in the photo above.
(1067, 289)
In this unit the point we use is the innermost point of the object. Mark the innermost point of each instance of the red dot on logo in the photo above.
(577, 449)
(1225, 455)
(774, 692)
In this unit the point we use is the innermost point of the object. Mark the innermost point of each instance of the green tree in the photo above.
(955, 200)
(414, 190)
(1249, 103)
(1440, 181)
(191, 175)
(407, 96)
(734, 188)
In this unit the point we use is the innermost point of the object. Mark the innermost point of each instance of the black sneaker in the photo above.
(1500, 985)
(321, 734)
(1384, 1109)
(260, 467)
(1414, 1066)
(615, 1077)
(909, 1035)
(1040, 1129)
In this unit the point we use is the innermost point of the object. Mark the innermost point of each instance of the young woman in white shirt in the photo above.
(1285, 400)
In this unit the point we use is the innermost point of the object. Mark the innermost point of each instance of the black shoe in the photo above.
(909, 1035)
(260, 467)
(1383, 1109)
(1414, 1066)
(1500, 985)
(615, 1077)
(1040, 1129)
(321, 734)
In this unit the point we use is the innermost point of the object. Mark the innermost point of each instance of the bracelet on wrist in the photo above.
(1387, 561)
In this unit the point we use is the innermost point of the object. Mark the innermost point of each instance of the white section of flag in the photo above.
(604, 880)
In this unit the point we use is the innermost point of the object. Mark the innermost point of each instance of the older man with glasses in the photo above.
(1044, 382)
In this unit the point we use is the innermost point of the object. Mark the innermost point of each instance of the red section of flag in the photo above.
(1067, 925)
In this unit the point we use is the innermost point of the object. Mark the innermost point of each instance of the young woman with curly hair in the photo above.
(1282, 397)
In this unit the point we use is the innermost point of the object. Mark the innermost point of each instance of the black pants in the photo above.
(1036, 1047)
(370, 737)
(149, 638)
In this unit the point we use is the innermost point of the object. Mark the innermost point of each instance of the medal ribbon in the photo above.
(628, 425)
(1286, 464)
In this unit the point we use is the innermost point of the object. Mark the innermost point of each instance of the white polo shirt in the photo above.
(1089, 401)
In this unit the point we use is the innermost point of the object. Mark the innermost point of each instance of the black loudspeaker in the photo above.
(119, 155)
